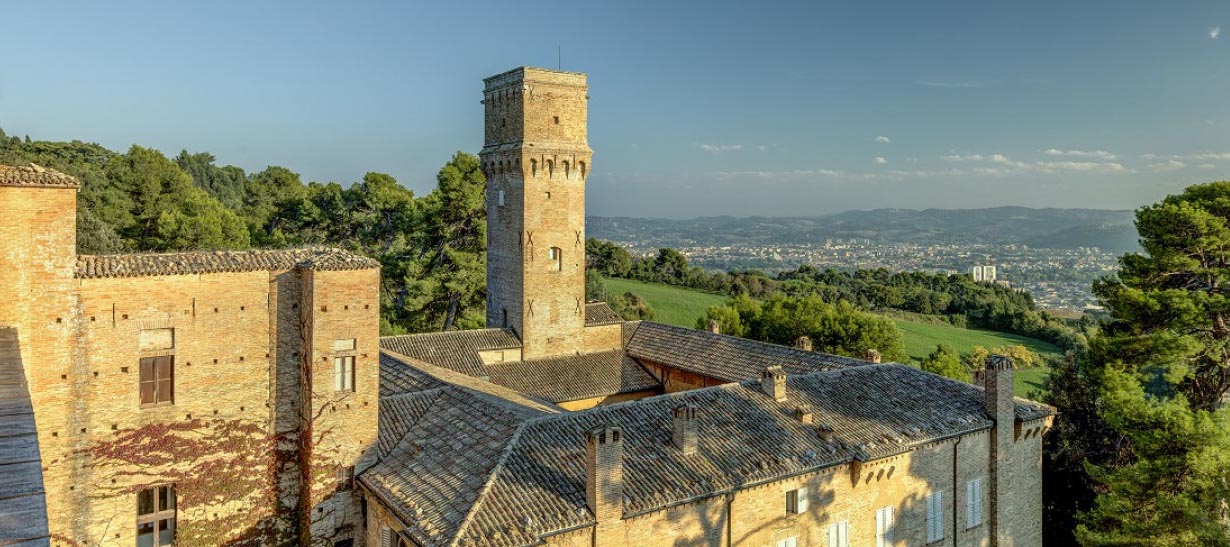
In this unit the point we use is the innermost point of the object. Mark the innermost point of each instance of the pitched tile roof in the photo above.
(201, 262)
(23, 507)
(508, 479)
(727, 358)
(396, 376)
(428, 376)
(600, 313)
(574, 377)
(455, 349)
(35, 175)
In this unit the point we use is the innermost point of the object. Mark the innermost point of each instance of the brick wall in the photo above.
(536, 159)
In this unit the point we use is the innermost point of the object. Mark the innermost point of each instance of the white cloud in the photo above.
(1199, 156)
(719, 148)
(1168, 165)
(967, 157)
(1100, 154)
(1215, 32)
(880, 160)
(883, 140)
(1207, 166)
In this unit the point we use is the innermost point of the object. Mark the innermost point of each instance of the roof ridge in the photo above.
(487, 485)
(436, 392)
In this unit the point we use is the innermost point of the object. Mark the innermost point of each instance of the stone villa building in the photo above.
(246, 398)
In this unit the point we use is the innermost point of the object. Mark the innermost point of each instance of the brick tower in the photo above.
(536, 157)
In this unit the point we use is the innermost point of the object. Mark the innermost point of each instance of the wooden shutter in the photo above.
(843, 531)
(801, 500)
(881, 528)
(148, 382)
(973, 503)
(386, 537)
(935, 516)
(164, 369)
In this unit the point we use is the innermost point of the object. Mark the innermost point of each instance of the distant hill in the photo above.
(1111, 230)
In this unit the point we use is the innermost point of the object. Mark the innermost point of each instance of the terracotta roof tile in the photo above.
(455, 350)
(727, 358)
(574, 377)
(34, 175)
(202, 262)
(600, 313)
(507, 479)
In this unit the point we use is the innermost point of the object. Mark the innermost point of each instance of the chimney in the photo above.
(872, 355)
(804, 415)
(604, 484)
(803, 343)
(714, 326)
(999, 406)
(683, 428)
(773, 383)
(826, 433)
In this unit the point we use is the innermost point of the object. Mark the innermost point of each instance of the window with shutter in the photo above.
(935, 517)
(839, 534)
(884, 527)
(796, 501)
(792, 541)
(386, 537)
(973, 503)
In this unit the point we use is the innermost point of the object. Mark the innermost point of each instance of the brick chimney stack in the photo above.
(872, 355)
(803, 343)
(773, 383)
(683, 428)
(604, 482)
(999, 406)
(714, 326)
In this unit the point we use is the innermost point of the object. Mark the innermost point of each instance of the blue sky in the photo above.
(704, 108)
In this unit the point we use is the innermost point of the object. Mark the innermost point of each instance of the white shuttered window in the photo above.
(885, 525)
(788, 542)
(839, 534)
(935, 516)
(973, 503)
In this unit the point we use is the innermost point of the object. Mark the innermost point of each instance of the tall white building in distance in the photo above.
(984, 273)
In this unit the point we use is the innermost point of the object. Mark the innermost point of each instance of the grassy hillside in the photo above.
(671, 305)
(681, 306)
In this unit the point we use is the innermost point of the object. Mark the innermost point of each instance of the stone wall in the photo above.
(757, 516)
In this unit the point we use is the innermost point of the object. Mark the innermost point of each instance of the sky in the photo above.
(696, 109)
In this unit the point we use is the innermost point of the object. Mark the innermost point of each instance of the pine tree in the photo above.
(1161, 371)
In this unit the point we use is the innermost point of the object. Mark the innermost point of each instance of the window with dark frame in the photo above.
(556, 255)
(156, 516)
(157, 380)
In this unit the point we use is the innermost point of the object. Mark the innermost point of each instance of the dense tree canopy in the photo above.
(1157, 379)
(838, 328)
(946, 362)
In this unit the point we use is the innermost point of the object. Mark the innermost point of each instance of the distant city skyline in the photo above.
(780, 109)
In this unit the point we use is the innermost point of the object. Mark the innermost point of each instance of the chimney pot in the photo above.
(803, 343)
(872, 355)
(826, 433)
(773, 383)
(715, 327)
(683, 429)
(804, 415)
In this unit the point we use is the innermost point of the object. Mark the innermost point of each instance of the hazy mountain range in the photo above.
(1110, 230)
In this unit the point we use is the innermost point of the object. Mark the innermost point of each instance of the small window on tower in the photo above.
(556, 120)
(557, 258)
(500, 198)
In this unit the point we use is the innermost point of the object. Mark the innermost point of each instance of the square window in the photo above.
(796, 501)
(556, 120)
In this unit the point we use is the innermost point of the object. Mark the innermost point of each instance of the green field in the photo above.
(671, 305)
(681, 306)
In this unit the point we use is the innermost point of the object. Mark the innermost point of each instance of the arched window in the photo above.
(582, 166)
(533, 168)
(550, 169)
(567, 169)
